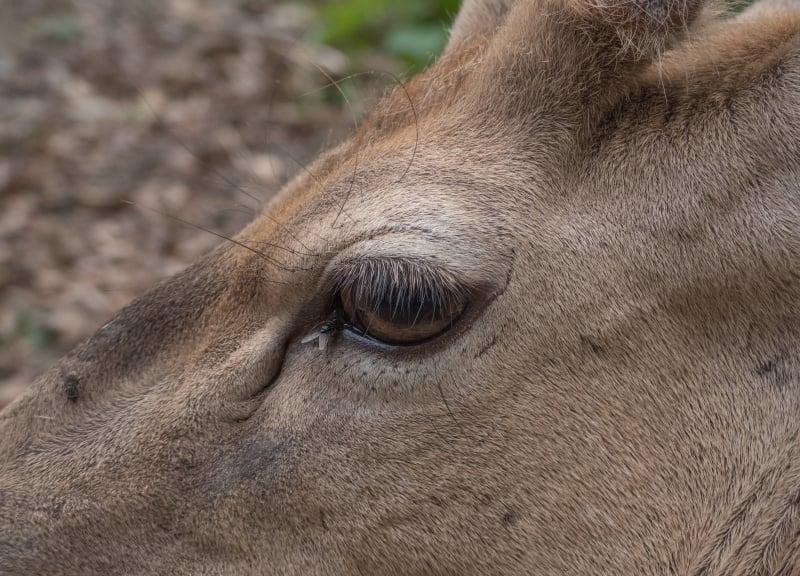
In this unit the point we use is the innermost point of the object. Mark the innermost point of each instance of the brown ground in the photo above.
(110, 109)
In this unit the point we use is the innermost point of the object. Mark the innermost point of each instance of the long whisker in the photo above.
(404, 88)
(213, 169)
(401, 85)
(255, 251)
(161, 124)
(355, 129)
(240, 209)
(334, 82)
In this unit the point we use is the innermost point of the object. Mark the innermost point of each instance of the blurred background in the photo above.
(117, 113)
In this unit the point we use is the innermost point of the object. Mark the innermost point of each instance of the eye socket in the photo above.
(401, 305)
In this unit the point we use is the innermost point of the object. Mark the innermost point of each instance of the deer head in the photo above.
(538, 316)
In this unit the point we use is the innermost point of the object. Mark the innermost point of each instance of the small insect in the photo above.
(322, 334)
(71, 386)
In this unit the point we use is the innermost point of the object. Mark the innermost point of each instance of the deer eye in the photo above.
(402, 306)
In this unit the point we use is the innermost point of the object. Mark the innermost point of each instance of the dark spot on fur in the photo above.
(766, 368)
(260, 457)
(186, 463)
(508, 519)
(71, 384)
(773, 371)
(593, 346)
(322, 520)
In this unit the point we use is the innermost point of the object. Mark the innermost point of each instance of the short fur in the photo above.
(616, 186)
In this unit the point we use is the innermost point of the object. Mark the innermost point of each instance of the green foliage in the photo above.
(33, 328)
(62, 28)
(412, 32)
(737, 6)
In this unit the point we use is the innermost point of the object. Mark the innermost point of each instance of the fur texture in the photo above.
(614, 186)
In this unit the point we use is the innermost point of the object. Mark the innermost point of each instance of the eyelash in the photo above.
(369, 281)
(399, 297)
(389, 296)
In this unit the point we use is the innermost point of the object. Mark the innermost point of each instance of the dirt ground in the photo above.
(113, 114)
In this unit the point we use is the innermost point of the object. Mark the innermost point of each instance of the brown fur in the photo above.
(616, 184)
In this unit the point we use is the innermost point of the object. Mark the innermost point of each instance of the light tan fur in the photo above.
(617, 185)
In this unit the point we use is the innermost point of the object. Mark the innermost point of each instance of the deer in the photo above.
(538, 315)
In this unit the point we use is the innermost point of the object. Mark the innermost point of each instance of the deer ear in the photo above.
(476, 18)
(576, 57)
(763, 8)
